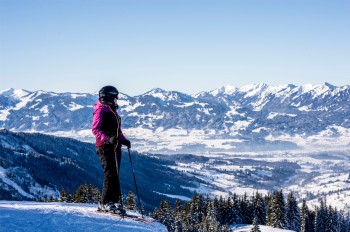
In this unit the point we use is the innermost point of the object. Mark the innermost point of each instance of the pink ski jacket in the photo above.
(106, 123)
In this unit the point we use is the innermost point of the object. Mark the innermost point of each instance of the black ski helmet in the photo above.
(108, 94)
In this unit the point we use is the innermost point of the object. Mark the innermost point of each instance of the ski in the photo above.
(129, 216)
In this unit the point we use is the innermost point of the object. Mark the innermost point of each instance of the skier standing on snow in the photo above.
(106, 127)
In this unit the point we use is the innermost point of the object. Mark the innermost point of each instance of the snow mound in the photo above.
(247, 228)
(35, 216)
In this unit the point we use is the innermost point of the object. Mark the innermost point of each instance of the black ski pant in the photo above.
(111, 185)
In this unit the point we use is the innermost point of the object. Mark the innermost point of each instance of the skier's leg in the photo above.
(119, 194)
(109, 192)
(119, 203)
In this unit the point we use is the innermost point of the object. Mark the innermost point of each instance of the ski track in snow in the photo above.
(34, 216)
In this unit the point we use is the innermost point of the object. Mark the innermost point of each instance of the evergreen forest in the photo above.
(205, 214)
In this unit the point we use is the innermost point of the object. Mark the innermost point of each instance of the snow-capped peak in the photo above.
(14, 93)
(164, 95)
(7, 92)
(253, 88)
(224, 90)
(156, 91)
(316, 90)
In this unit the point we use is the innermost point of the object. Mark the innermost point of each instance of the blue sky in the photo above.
(184, 45)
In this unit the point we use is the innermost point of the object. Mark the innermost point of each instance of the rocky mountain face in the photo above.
(258, 113)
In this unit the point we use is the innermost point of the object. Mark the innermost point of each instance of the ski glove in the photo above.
(112, 140)
(127, 143)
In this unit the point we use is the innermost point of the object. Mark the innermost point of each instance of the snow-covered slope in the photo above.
(253, 117)
(34, 216)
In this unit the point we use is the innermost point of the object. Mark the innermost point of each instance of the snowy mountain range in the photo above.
(227, 119)
(256, 137)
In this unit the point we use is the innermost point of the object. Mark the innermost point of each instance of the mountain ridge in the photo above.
(253, 112)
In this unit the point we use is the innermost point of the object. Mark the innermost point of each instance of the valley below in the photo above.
(309, 175)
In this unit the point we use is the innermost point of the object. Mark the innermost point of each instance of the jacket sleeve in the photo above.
(97, 126)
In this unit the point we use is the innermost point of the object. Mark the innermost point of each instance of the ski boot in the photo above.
(119, 209)
(109, 207)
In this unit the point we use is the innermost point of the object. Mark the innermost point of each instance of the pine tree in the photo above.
(63, 195)
(278, 210)
(246, 209)
(86, 193)
(304, 218)
(69, 197)
(230, 212)
(216, 207)
(52, 199)
(79, 196)
(269, 210)
(256, 227)
(321, 217)
(222, 217)
(166, 215)
(344, 222)
(259, 209)
(130, 201)
(312, 219)
(236, 212)
(211, 223)
(205, 204)
(186, 218)
(197, 208)
(155, 214)
(292, 213)
(178, 216)
(333, 224)
(95, 194)
(142, 210)
(209, 210)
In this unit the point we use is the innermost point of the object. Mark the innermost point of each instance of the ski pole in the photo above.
(137, 191)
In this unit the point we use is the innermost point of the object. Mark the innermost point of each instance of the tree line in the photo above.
(90, 194)
(204, 214)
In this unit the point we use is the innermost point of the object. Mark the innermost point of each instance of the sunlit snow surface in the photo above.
(34, 216)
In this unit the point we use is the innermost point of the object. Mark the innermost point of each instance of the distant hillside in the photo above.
(36, 165)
